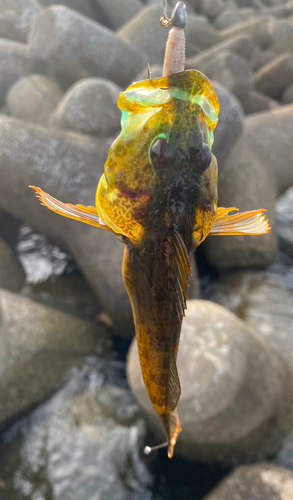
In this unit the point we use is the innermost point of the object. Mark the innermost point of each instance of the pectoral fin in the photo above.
(253, 222)
(88, 215)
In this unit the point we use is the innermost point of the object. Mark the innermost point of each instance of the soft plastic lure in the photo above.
(158, 194)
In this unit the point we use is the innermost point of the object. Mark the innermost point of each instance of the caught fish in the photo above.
(158, 195)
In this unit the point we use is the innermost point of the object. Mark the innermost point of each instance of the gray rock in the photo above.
(226, 19)
(39, 345)
(287, 95)
(13, 65)
(257, 102)
(264, 302)
(118, 12)
(262, 154)
(233, 388)
(244, 3)
(246, 14)
(68, 166)
(275, 76)
(258, 29)
(145, 33)
(68, 46)
(232, 72)
(33, 98)
(84, 7)
(229, 126)
(89, 106)
(200, 34)
(281, 32)
(16, 18)
(256, 482)
(265, 57)
(212, 8)
(241, 45)
(11, 273)
(284, 212)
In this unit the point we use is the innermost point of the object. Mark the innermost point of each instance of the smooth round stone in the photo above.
(33, 98)
(84, 7)
(284, 211)
(89, 106)
(233, 386)
(287, 96)
(212, 8)
(118, 12)
(16, 18)
(14, 64)
(233, 72)
(257, 102)
(11, 273)
(275, 76)
(226, 19)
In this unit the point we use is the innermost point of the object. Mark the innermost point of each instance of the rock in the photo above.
(68, 46)
(39, 345)
(67, 165)
(13, 65)
(287, 95)
(242, 46)
(229, 126)
(84, 443)
(212, 8)
(89, 106)
(16, 18)
(118, 12)
(200, 34)
(257, 29)
(256, 482)
(226, 19)
(257, 102)
(281, 32)
(284, 212)
(264, 302)
(244, 3)
(275, 76)
(33, 98)
(11, 272)
(232, 72)
(237, 399)
(262, 155)
(84, 7)
(145, 33)
(246, 14)
(265, 57)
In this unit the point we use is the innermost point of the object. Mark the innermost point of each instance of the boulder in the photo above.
(212, 8)
(247, 14)
(256, 482)
(11, 273)
(68, 166)
(275, 76)
(33, 98)
(256, 28)
(200, 34)
(257, 102)
(281, 32)
(16, 18)
(287, 95)
(257, 170)
(89, 106)
(236, 393)
(84, 7)
(226, 19)
(118, 12)
(38, 346)
(68, 46)
(14, 64)
(284, 212)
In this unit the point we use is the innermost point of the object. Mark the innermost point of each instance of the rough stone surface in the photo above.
(257, 102)
(68, 166)
(233, 388)
(33, 98)
(69, 46)
(38, 346)
(13, 65)
(284, 212)
(275, 76)
(287, 96)
(263, 154)
(255, 482)
(16, 18)
(229, 125)
(118, 12)
(89, 106)
(11, 273)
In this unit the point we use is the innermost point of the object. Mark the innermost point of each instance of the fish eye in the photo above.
(203, 159)
(160, 153)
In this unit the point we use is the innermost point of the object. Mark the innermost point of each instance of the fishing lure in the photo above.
(158, 195)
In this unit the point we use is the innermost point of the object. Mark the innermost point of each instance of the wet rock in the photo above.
(229, 126)
(39, 345)
(16, 18)
(84, 7)
(67, 165)
(226, 19)
(261, 154)
(13, 65)
(11, 273)
(275, 76)
(257, 29)
(145, 33)
(89, 106)
(257, 102)
(284, 211)
(287, 95)
(256, 482)
(212, 8)
(264, 302)
(242, 46)
(118, 12)
(81, 48)
(236, 401)
(33, 98)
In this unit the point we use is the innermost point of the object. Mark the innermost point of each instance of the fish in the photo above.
(158, 195)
